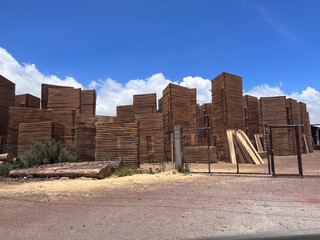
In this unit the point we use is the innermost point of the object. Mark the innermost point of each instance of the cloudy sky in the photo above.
(122, 48)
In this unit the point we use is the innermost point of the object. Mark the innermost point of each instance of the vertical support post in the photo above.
(317, 136)
(177, 147)
(208, 144)
(77, 145)
(0, 144)
(236, 149)
(122, 145)
(298, 151)
(272, 154)
(172, 147)
(267, 134)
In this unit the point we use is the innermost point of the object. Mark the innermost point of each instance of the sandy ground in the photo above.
(158, 206)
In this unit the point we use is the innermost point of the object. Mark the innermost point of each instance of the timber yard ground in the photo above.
(158, 206)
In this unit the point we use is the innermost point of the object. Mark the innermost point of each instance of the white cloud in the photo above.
(203, 87)
(310, 96)
(27, 77)
(111, 93)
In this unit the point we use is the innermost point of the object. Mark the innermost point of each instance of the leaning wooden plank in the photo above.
(243, 154)
(251, 146)
(258, 142)
(93, 172)
(305, 143)
(242, 141)
(231, 147)
(6, 157)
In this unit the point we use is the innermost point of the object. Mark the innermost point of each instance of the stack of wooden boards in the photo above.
(87, 134)
(204, 115)
(88, 102)
(118, 141)
(19, 115)
(65, 103)
(125, 113)
(27, 100)
(246, 152)
(251, 116)
(38, 132)
(151, 137)
(7, 98)
(144, 104)
(178, 105)
(227, 110)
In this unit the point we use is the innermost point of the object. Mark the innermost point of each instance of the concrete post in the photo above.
(177, 147)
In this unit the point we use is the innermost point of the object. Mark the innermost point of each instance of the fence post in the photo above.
(267, 134)
(122, 145)
(236, 148)
(208, 143)
(298, 151)
(272, 154)
(177, 147)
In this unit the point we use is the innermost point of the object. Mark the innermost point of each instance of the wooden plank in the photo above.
(258, 142)
(305, 143)
(231, 147)
(251, 147)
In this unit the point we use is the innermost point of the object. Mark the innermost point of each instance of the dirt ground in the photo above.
(158, 206)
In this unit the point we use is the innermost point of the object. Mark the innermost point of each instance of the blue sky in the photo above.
(274, 43)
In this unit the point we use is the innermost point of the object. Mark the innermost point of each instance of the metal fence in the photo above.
(273, 150)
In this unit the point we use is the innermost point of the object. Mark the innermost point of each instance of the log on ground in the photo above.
(72, 170)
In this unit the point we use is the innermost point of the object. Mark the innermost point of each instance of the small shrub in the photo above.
(5, 168)
(46, 153)
(185, 168)
(162, 165)
(125, 171)
(108, 157)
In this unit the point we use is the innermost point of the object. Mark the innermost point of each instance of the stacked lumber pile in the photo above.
(87, 134)
(306, 129)
(178, 105)
(151, 137)
(88, 102)
(66, 105)
(39, 132)
(198, 154)
(227, 111)
(125, 113)
(64, 98)
(86, 137)
(246, 152)
(274, 112)
(251, 116)
(292, 119)
(204, 115)
(193, 107)
(118, 140)
(27, 100)
(145, 103)
(45, 94)
(7, 98)
(72, 170)
(19, 115)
